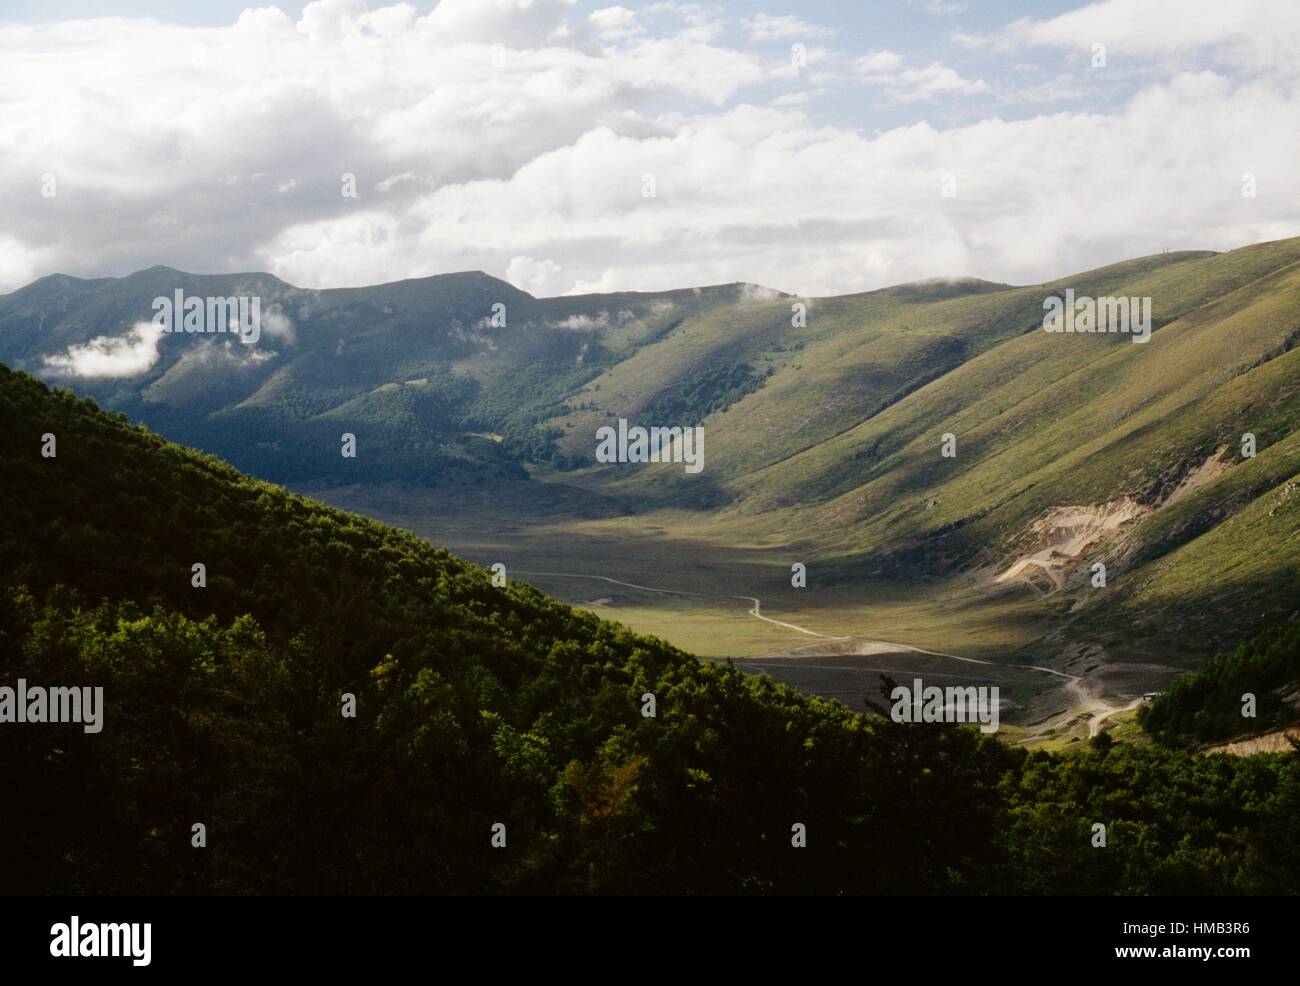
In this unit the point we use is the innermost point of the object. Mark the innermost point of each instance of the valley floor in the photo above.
(687, 579)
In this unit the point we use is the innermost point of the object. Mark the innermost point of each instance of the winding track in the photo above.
(1087, 703)
(755, 610)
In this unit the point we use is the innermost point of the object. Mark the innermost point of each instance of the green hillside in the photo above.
(824, 420)
(478, 705)
(1090, 446)
(1208, 704)
(414, 369)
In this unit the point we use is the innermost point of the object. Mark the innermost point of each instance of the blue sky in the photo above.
(902, 141)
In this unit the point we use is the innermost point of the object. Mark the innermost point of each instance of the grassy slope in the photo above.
(1041, 421)
(836, 451)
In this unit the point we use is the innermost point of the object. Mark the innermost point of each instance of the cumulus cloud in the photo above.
(537, 277)
(812, 209)
(197, 146)
(126, 355)
(887, 69)
(515, 23)
(515, 137)
(767, 27)
(614, 22)
(1247, 35)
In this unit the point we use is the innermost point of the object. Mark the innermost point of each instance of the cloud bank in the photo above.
(641, 149)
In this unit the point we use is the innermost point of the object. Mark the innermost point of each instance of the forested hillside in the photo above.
(1208, 703)
(478, 705)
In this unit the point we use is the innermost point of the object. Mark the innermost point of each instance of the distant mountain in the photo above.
(436, 377)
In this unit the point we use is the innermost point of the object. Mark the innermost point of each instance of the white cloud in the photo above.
(198, 146)
(276, 324)
(21, 263)
(521, 151)
(110, 356)
(614, 22)
(701, 22)
(585, 323)
(879, 62)
(1249, 35)
(767, 27)
(763, 194)
(757, 292)
(392, 181)
(514, 23)
(933, 80)
(537, 277)
(907, 85)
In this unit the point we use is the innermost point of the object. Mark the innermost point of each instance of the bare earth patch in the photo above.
(1209, 470)
(1275, 741)
(1065, 535)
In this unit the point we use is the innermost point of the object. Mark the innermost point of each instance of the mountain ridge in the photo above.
(824, 427)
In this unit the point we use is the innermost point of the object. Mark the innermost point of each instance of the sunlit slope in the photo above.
(1088, 417)
(860, 355)
(856, 357)
(483, 709)
(1071, 449)
(847, 360)
(1045, 421)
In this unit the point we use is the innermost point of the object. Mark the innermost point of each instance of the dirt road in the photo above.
(1098, 709)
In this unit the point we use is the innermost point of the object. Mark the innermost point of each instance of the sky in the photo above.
(816, 147)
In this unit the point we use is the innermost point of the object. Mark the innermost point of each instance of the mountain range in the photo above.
(1174, 463)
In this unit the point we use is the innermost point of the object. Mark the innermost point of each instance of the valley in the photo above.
(484, 448)
(668, 575)
(1071, 517)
